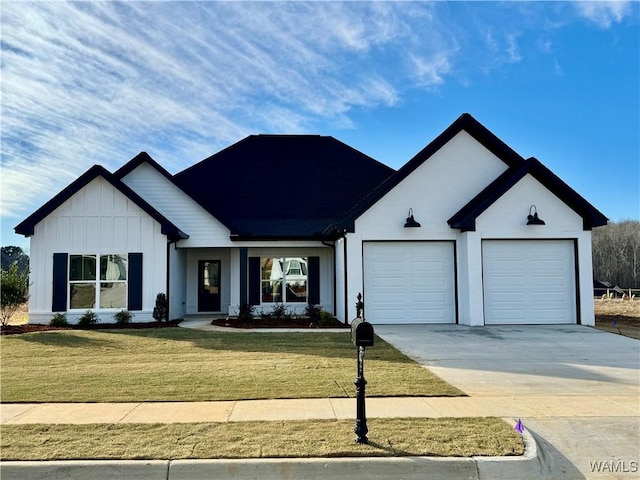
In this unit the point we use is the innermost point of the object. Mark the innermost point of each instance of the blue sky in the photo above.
(96, 83)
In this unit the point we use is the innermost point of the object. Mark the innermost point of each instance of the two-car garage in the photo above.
(523, 282)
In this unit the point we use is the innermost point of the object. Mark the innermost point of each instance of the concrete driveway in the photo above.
(572, 373)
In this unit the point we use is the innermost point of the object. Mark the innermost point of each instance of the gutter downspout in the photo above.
(346, 279)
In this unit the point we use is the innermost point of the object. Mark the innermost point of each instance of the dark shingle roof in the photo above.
(27, 226)
(465, 218)
(282, 186)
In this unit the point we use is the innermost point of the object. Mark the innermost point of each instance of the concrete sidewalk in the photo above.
(408, 468)
(530, 466)
(514, 407)
(575, 389)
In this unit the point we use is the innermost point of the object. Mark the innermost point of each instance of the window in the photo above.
(97, 280)
(284, 280)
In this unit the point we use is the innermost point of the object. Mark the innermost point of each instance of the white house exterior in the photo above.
(471, 257)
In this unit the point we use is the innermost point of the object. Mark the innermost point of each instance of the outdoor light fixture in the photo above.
(411, 222)
(534, 219)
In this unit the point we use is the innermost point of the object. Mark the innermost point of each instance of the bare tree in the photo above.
(616, 253)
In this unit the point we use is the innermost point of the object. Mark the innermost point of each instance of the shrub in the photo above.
(246, 312)
(278, 312)
(313, 312)
(87, 319)
(14, 291)
(122, 317)
(326, 319)
(161, 310)
(59, 320)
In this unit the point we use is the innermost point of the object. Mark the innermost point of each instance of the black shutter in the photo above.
(135, 281)
(243, 275)
(313, 285)
(60, 280)
(254, 280)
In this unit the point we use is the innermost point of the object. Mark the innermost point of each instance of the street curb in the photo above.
(85, 470)
(524, 467)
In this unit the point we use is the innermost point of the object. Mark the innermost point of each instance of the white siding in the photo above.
(435, 191)
(203, 229)
(97, 219)
(507, 219)
(438, 189)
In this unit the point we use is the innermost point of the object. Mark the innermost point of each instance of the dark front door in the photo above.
(209, 286)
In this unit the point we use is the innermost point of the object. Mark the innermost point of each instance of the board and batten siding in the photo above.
(98, 219)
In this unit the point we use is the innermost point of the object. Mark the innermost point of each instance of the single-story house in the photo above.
(466, 232)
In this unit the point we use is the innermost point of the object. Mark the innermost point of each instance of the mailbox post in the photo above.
(362, 337)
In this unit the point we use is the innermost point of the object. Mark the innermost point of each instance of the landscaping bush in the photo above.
(161, 310)
(87, 319)
(278, 313)
(326, 319)
(59, 320)
(314, 313)
(122, 317)
(245, 312)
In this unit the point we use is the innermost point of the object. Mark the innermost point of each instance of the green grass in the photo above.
(176, 364)
(462, 437)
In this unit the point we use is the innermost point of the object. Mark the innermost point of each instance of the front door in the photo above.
(209, 286)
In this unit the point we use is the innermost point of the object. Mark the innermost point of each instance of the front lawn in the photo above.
(178, 364)
(459, 437)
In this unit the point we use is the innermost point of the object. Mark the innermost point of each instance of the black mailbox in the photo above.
(361, 333)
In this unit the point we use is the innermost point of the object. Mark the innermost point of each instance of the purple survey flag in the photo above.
(615, 322)
(519, 427)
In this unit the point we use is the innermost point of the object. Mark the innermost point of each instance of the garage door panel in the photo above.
(529, 281)
(409, 282)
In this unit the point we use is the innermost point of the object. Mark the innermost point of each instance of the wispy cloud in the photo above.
(604, 14)
(97, 82)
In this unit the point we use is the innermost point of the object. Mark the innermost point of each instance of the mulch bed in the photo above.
(606, 322)
(259, 322)
(36, 327)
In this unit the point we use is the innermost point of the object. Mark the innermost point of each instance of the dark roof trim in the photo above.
(465, 218)
(464, 122)
(27, 226)
(135, 162)
(257, 238)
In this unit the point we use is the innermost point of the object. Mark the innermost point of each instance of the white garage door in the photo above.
(409, 282)
(529, 281)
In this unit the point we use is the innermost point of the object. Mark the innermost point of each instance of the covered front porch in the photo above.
(214, 282)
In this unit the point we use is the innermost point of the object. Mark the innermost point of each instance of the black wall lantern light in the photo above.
(532, 218)
(411, 222)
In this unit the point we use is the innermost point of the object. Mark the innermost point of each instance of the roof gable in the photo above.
(464, 122)
(27, 226)
(465, 218)
(282, 186)
(135, 162)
